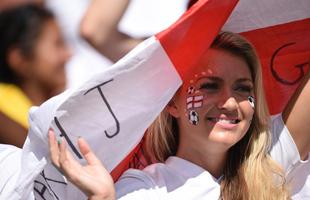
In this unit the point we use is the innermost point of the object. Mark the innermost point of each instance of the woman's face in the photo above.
(213, 109)
(47, 66)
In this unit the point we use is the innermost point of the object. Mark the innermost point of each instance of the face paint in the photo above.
(194, 100)
(193, 117)
(251, 101)
(190, 90)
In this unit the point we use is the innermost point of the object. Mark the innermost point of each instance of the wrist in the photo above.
(102, 197)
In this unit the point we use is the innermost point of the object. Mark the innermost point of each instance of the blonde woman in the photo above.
(212, 141)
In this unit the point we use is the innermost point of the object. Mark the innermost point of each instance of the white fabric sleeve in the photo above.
(285, 152)
(35, 149)
(284, 149)
(135, 184)
(10, 167)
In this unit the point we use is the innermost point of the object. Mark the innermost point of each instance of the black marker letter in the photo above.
(109, 107)
(280, 79)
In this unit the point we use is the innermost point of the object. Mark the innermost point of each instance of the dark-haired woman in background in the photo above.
(32, 58)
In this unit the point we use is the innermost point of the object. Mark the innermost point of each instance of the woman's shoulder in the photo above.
(174, 168)
(148, 176)
(140, 184)
(172, 179)
(154, 181)
(283, 148)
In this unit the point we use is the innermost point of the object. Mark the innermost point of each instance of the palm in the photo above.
(93, 179)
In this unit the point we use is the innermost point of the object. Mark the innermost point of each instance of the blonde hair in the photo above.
(249, 172)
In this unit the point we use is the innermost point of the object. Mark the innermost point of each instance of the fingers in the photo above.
(61, 157)
(53, 147)
(86, 151)
(64, 160)
(67, 162)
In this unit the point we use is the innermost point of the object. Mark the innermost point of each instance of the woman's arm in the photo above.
(100, 28)
(296, 116)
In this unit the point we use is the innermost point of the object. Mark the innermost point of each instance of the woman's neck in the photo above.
(35, 93)
(207, 157)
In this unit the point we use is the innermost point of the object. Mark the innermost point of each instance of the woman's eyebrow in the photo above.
(244, 80)
(212, 78)
(219, 79)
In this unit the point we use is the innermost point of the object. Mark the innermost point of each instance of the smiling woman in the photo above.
(231, 138)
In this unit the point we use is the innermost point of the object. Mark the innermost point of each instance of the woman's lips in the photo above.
(226, 123)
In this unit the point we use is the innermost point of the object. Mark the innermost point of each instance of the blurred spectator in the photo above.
(32, 59)
(6, 4)
(100, 28)
(105, 22)
(141, 19)
(85, 60)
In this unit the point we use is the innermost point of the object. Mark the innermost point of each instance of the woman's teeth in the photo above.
(224, 121)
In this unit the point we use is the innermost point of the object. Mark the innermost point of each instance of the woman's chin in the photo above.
(226, 138)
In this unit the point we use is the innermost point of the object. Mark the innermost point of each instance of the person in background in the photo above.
(100, 28)
(6, 4)
(32, 59)
(224, 147)
(103, 25)
(114, 24)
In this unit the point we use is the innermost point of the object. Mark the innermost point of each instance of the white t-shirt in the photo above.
(285, 152)
(175, 179)
(10, 167)
(181, 179)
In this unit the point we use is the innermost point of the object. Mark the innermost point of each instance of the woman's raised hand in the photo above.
(93, 179)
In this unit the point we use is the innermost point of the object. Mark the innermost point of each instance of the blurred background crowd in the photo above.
(47, 46)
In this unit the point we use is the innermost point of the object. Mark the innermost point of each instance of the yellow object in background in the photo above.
(14, 104)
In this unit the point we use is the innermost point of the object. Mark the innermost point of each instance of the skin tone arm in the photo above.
(93, 179)
(11, 132)
(297, 119)
(99, 28)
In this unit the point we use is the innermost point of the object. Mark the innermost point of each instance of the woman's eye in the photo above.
(244, 88)
(209, 86)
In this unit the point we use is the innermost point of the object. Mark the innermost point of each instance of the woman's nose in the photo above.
(227, 101)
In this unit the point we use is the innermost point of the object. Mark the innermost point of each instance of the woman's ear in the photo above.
(17, 61)
(173, 109)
